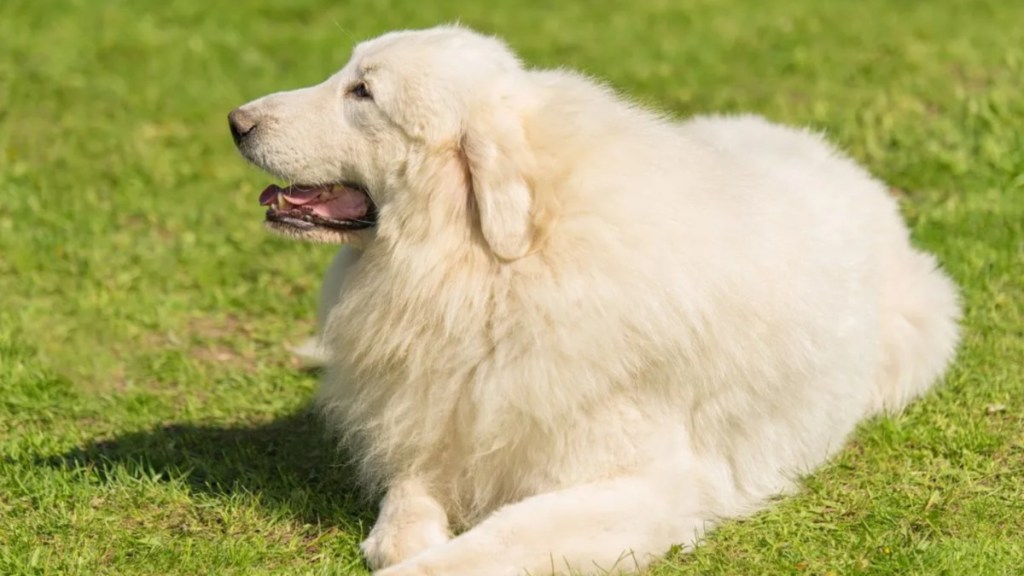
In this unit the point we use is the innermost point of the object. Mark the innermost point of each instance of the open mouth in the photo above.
(341, 207)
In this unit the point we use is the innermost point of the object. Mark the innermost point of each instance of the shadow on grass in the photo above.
(287, 464)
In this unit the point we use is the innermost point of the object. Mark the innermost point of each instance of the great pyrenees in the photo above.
(571, 333)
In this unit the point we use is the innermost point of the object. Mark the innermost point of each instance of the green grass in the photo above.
(151, 421)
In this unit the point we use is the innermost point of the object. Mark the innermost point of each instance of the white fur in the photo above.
(580, 330)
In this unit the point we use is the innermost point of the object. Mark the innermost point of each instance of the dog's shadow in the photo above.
(287, 464)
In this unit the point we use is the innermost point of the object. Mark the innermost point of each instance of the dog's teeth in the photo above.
(281, 202)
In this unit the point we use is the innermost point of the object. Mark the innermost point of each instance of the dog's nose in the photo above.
(242, 124)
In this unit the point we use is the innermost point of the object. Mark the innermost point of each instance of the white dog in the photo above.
(576, 330)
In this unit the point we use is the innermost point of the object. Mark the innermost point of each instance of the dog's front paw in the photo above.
(448, 560)
(391, 543)
(403, 569)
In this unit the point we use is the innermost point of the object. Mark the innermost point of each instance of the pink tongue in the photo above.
(295, 196)
(301, 196)
(345, 203)
(348, 204)
(269, 195)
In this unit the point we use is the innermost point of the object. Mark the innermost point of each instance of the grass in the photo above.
(151, 420)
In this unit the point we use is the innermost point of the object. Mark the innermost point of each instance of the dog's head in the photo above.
(420, 129)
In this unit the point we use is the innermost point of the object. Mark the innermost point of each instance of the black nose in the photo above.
(242, 124)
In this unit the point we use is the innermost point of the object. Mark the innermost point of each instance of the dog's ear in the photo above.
(499, 161)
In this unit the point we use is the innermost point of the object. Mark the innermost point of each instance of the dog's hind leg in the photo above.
(617, 526)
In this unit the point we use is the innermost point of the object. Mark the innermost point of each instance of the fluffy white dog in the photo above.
(576, 330)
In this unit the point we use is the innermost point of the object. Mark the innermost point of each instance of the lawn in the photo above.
(152, 420)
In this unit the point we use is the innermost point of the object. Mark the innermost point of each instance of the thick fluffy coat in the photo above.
(580, 330)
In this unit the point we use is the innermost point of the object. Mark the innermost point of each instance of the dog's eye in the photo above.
(360, 91)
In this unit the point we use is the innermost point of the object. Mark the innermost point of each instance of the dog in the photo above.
(569, 333)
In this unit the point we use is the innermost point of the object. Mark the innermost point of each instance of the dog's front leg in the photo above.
(613, 527)
(410, 522)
